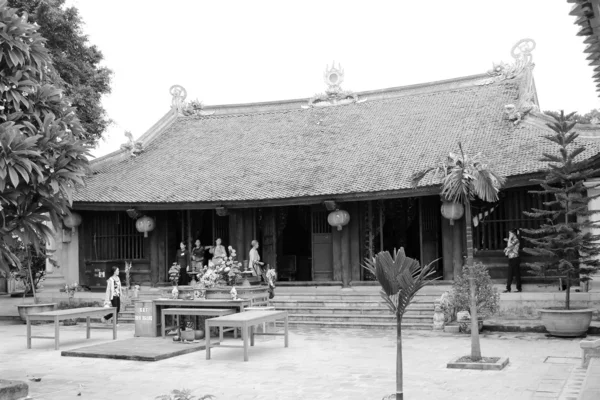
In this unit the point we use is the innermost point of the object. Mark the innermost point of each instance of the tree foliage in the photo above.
(75, 64)
(565, 238)
(43, 147)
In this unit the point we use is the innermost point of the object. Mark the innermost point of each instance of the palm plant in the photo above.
(400, 278)
(464, 178)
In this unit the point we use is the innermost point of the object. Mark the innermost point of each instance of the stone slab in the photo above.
(497, 366)
(13, 390)
(137, 349)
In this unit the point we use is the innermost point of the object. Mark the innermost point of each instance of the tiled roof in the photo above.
(374, 146)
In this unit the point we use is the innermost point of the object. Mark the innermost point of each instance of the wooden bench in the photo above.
(61, 315)
(267, 308)
(246, 321)
(202, 312)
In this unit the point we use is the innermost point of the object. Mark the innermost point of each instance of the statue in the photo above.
(218, 251)
(438, 318)
(255, 262)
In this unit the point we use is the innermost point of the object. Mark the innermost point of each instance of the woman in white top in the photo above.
(113, 292)
(254, 260)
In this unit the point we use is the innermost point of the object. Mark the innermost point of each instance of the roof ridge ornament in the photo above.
(522, 68)
(521, 52)
(135, 147)
(179, 95)
(334, 94)
(178, 103)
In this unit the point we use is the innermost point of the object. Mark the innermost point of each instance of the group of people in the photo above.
(200, 255)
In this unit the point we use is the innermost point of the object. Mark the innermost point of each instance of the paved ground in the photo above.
(319, 364)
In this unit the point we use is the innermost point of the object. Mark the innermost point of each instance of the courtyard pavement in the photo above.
(319, 364)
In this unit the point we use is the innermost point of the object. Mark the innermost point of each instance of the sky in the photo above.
(227, 52)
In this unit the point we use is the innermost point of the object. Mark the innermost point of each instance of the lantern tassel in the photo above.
(146, 234)
(339, 227)
(451, 222)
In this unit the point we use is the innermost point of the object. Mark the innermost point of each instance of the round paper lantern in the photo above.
(72, 221)
(338, 218)
(452, 211)
(145, 224)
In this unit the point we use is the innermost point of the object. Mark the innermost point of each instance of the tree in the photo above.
(566, 237)
(43, 150)
(76, 63)
(400, 278)
(463, 179)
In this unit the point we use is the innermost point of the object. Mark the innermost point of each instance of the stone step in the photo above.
(347, 310)
(351, 304)
(359, 318)
(344, 297)
(364, 325)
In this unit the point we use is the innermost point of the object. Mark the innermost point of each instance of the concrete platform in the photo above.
(137, 349)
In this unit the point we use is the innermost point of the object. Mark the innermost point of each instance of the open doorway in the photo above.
(294, 244)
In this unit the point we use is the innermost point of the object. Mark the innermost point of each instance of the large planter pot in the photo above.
(566, 323)
(256, 294)
(25, 309)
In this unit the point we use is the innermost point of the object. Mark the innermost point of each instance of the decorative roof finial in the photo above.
(133, 146)
(333, 78)
(334, 95)
(521, 52)
(179, 94)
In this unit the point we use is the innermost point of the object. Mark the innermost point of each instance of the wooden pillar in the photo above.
(447, 249)
(457, 244)
(154, 264)
(336, 237)
(355, 261)
(345, 255)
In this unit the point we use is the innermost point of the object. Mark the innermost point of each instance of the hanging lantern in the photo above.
(338, 218)
(72, 221)
(452, 211)
(145, 224)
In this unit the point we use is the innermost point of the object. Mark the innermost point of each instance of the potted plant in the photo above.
(487, 297)
(565, 238)
(400, 278)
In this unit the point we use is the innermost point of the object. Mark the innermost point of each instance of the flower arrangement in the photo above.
(71, 289)
(210, 277)
(174, 273)
(230, 268)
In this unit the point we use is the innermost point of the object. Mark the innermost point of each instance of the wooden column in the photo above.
(447, 249)
(355, 261)
(154, 238)
(345, 255)
(337, 253)
(457, 244)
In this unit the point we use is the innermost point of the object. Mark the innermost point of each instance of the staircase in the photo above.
(360, 307)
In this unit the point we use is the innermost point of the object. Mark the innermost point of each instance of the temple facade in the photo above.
(321, 182)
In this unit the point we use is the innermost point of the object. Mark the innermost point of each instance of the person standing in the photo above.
(254, 260)
(183, 260)
(113, 293)
(514, 260)
(197, 257)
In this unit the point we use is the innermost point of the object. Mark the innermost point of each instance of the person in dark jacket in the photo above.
(512, 251)
(182, 259)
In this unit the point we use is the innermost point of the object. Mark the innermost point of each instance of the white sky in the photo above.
(253, 50)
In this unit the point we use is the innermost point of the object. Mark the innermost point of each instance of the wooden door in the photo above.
(322, 249)
(269, 239)
(429, 222)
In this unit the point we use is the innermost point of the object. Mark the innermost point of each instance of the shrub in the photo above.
(488, 298)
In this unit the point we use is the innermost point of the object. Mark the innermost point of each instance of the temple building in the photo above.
(320, 182)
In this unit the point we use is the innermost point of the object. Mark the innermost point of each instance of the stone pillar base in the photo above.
(13, 390)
